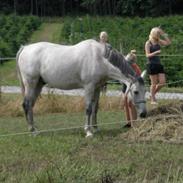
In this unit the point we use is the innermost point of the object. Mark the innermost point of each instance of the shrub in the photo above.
(130, 33)
(15, 31)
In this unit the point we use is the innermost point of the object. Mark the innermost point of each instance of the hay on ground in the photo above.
(164, 123)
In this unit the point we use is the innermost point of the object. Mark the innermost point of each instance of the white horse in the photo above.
(88, 65)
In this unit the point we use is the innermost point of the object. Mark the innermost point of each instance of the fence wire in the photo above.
(78, 127)
(168, 96)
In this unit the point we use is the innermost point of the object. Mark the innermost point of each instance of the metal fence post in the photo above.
(0, 80)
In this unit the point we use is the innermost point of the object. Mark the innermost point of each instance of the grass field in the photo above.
(67, 156)
(8, 75)
(48, 32)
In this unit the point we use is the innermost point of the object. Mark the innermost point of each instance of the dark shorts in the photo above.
(153, 69)
(124, 88)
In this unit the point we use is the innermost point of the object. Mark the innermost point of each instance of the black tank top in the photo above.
(154, 59)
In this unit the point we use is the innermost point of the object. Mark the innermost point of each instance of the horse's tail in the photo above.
(18, 70)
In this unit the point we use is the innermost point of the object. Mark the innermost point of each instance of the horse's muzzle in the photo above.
(143, 114)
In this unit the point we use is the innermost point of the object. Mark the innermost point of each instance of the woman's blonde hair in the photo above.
(155, 34)
(103, 34)
(131, 56)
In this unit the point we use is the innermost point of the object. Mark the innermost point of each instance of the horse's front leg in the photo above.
(89, 95)
(95, 105)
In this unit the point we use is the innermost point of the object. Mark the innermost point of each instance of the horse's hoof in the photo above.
(35, 133)
(89, 134)
(33, 130)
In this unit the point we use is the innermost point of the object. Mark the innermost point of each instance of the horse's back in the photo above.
(61, 65)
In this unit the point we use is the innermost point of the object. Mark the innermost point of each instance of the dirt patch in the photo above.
(164, 123)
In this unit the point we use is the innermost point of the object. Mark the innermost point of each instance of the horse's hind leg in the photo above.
(31, 94)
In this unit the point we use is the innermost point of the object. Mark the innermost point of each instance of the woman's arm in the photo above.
(166, 40)
(147, 50)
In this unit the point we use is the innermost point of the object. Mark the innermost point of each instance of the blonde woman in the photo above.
(103, 38)
(131, 58)
(157, 38)
(129, 107)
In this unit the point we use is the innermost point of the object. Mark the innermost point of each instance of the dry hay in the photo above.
(11, 108)
(55, 104)
(164, 123)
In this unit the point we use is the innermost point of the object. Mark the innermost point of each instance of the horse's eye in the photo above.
(136, 92)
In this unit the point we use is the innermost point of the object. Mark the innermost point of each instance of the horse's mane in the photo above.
(118, 60)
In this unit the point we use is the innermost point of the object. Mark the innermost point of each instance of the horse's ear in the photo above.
(143, 74)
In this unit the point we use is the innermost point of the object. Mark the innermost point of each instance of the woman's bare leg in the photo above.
(132, 111)
(154, 82)
(125, 106)
(127, 112)
(162, 81)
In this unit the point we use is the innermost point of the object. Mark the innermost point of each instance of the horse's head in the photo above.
(135, 86)
(136, 94)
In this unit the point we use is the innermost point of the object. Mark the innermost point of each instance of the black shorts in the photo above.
(153, 69)
(124, 88)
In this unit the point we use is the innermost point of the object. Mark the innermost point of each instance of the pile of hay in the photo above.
(164, 123)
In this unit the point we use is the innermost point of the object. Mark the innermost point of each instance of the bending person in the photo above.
(129, 107)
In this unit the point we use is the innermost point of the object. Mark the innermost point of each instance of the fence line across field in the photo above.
(8, 58)
(78, 127)
(138, 55)
(2, 82)
(167, 83)
(80, 92)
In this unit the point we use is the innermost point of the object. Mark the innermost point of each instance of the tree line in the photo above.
(93, 7)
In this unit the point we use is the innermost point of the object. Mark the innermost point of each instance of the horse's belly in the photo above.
(69, 86)
(64, 83)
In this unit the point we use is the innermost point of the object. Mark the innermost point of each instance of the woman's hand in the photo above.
(158, 51)
(161, 32)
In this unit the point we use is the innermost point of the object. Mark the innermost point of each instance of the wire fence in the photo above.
(138, 55)
(167, 84)
(81, 126)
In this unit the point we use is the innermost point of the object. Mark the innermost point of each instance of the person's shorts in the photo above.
(124, 88)
(153, 69)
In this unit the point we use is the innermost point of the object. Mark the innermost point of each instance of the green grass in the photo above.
(8, 75)
(49, 32)
(67, 156)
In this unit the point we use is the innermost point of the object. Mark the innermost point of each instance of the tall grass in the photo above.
(11, 105)
(66, 156)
